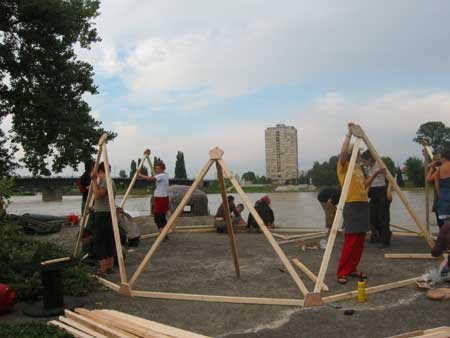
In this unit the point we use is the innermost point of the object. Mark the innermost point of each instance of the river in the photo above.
(293, 209)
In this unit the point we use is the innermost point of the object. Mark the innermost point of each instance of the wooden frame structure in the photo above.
(311, 298)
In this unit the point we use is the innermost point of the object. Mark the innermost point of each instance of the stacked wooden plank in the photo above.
(438, 332)
(114, 324)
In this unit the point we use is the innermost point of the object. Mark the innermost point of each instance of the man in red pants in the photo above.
(356, 215)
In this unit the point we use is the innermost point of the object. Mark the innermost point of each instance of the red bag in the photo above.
(7, 298)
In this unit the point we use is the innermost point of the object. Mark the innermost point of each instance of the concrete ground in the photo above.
(201, 263)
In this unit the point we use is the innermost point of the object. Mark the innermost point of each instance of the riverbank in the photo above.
(201, 263)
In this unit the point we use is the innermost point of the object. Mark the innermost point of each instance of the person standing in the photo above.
(355, 214)
(160, 195)
(434, 167)
(329, 199)
(104, 243)
(442, 186)
(84, 182)
(378, 201)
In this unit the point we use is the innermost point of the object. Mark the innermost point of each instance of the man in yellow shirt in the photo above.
(355, 213)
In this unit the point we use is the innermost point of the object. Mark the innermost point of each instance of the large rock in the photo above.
(197, 204)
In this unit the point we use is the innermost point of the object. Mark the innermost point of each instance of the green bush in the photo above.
(19, 257)
(32, 330)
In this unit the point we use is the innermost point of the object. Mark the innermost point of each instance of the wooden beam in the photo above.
(264, 229)
(96, 326)
(338, 217)
(371, 290)
(406, 234)
(296, 230)
(82, 327)
(306, 235)
(156, 234)
(133, 180)
(357, 129)
(170, 223)
(427, 188)
(57, 260)
(162, 328)
(411, 256)
(129, 330)
(404, 228)
(305, 238)
(308, 272)
(217, 299)
(90, 197)
(108, 284)
(115, 223)
(227, 215)
(274, 234)
(74, 332)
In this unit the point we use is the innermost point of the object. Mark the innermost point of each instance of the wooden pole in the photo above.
(358, 131)
(152, 168)
(90, 198)
(308, 272)
(115, 223)
(338, 217)
(264, 229)
(226, 208)
(133, 181)
(427, 189)
(170, 223)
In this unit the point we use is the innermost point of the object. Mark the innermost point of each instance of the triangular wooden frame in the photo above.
(314, 299)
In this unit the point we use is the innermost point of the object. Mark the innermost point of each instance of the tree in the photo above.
(249, 176)
(389, 164)
(122, 173)
(144, 170)
(42, 82)
(399, 178)
(325, 173)
(7, 164)
(156, 159)
(180, 168)
(133, 168)
(414, 170)
(437, 134)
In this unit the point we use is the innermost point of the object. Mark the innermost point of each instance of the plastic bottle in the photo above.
(361, 290)
(323, 244)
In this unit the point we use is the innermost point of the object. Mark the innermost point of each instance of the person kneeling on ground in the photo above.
(329, 198)
(220, 222)
(262, 207)
(443, 243)
(355, 213)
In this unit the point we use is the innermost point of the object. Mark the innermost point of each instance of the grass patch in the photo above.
(32, 330)
(19, 257)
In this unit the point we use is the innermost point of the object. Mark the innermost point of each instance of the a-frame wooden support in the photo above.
(90, 202)
(314, 298)
(222, 172)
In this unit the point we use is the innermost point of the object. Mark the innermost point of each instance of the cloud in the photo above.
(232, 49)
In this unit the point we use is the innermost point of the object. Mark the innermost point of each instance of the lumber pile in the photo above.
(438, 332)
(114, 324)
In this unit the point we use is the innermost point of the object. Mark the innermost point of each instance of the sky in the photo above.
(190, 75)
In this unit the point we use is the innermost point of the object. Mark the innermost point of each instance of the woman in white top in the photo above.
(161, 195)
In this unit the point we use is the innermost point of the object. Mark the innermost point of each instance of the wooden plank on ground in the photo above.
(74, 332)
(305, 238)
(218, 299)
(108, 284)
(96, 326)
(133, 329)
(371, 290)
(82, 328)
(411, 256)
(170, 330)
(308, 272)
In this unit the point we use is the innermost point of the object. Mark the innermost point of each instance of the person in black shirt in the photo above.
(329, 198)
(84, 182)
(264, 211)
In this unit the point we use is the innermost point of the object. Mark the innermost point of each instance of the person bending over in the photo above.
(264, 211)
(219, 220)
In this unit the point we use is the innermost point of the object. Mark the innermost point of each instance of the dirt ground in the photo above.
(201, 263)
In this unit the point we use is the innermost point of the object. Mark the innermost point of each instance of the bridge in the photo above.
(53, 188)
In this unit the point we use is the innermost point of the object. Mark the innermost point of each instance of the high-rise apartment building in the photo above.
(281, 153)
